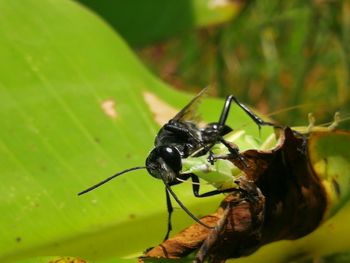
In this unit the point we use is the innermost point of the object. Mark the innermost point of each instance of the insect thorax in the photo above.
(185, 136)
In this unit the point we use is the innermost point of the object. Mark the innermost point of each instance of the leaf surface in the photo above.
(73, 112)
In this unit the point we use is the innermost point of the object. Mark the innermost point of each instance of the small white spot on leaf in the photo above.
(108, 107)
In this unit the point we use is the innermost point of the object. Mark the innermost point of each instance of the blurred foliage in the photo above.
(144, 22)
(334, 258)
(273, 55)
(337, 258)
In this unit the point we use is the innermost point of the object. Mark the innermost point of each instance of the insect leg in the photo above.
(252, 115)
(196, 186)
(182, 205)
(233, 149)
(234, 153)
(170, 210)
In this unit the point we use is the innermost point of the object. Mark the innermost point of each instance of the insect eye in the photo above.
(171, 156)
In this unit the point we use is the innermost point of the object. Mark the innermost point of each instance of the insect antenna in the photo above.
(168, 188)
(110, 178)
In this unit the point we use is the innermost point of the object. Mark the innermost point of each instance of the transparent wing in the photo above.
(189, 112)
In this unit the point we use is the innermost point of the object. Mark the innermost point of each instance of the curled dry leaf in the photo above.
(275, 188)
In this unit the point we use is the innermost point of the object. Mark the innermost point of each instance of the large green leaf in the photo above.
(59, 65)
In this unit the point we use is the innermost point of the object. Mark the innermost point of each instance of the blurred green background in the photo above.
(272, 55)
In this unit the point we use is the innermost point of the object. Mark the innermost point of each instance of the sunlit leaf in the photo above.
(73, 111)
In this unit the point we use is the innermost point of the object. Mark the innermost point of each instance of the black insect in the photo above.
(180, 138)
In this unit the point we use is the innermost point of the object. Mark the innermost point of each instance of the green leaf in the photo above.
(72, 113)
(143, 22)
